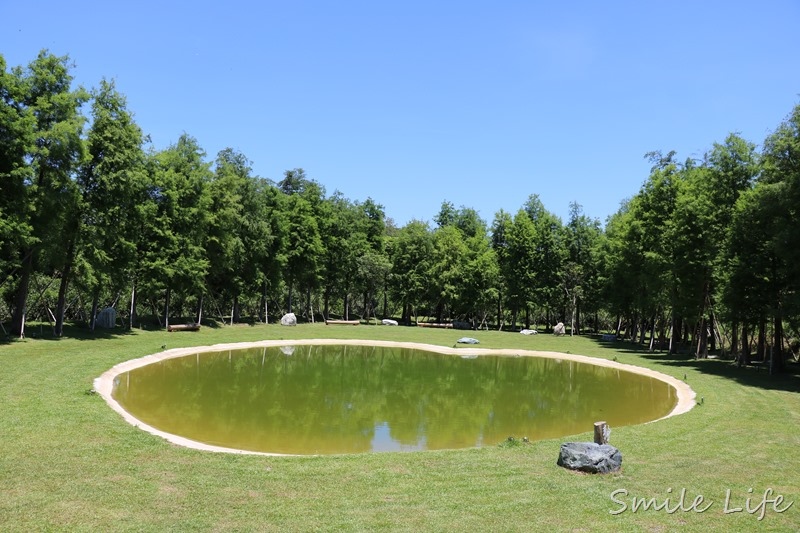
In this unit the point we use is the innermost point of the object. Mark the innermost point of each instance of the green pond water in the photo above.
(345, 399)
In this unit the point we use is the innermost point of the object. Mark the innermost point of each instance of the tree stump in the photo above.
(601, 433)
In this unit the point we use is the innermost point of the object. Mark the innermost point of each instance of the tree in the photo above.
(272, 216)
(112, 184)
(304, 249)
(501, 228)
(523, 280)
(238, 237)
(548, 255)
(16, 127)
(619, 265)
(580, 268)
(460, 246)
(45, 114)
(410, 253)
(173, 251)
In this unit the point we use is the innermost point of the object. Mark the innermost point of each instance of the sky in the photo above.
(414, 103)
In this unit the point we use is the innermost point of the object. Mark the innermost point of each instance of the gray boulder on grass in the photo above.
(590, 457)
(559, 329)
(289, 319)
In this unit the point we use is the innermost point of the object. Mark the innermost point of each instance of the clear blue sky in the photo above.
(413, 103)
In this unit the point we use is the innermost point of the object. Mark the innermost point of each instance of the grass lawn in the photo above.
(68, 462)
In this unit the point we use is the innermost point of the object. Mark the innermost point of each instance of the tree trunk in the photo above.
(132, 316)
(21, 296)
(702, 340)
(735, 341)
(761, 351)
(574, 318)
(643, 332)
(62, 290)
(676, 337)
(671, 348)
(263, 305)
(236, 314)
(199, 313)
(499, 311)
(744, 355)
(166, 308)
(712, 341)
(652, 334)
(95, 304)
(776, 364)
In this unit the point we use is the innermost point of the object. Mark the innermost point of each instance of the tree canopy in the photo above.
(703, 257)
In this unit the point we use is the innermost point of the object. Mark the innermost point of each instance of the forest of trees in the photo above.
(704, 257)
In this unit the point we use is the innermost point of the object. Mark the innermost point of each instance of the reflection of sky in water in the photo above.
(382, 441)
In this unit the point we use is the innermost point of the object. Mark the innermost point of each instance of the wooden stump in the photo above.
(601, 433)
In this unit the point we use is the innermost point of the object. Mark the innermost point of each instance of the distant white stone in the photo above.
(559, 329)
(289, 319)
(467, 340)
(529, 332)
(389, 322)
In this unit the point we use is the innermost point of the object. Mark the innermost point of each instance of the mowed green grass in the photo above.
(68, 462)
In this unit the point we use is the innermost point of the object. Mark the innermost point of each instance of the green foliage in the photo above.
(704, 246)
(41, 120)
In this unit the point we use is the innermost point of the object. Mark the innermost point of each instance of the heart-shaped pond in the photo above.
(345, 398)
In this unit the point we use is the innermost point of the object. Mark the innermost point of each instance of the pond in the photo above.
(332, 399)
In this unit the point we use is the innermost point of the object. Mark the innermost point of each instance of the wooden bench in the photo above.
(184, 327)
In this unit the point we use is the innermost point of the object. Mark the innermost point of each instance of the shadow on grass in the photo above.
(71, 331)
(750, 375)
(81, 331)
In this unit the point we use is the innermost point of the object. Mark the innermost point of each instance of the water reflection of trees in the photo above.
(330, 399)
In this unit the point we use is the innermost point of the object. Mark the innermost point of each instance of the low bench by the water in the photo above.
(184, 327)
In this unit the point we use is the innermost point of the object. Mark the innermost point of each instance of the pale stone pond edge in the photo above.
(103, 385)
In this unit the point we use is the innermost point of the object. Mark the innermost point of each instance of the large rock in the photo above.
(289, 319)
(107, 318)
(467, 340)
(389, 322)
(559, 329)
(590, 457)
